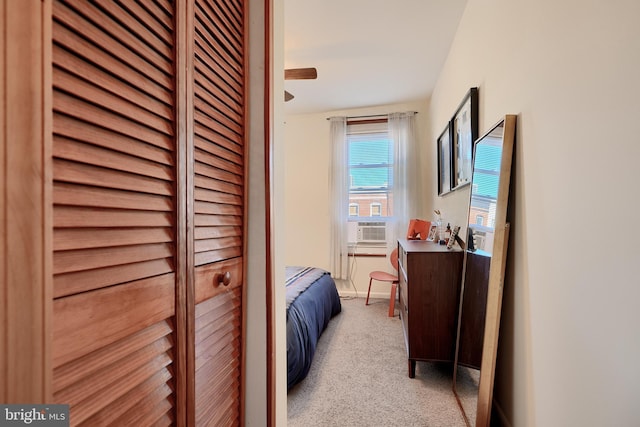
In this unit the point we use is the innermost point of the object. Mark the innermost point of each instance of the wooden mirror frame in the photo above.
(496, 280)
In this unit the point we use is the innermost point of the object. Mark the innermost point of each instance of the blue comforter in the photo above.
(312, 300)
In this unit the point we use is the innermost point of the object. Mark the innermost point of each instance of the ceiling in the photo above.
(367, 52)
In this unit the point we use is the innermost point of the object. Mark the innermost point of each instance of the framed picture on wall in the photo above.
(444, 161)
(464, 131)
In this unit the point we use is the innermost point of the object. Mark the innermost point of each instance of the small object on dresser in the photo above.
(418, 229)
(454, 236)
(447, 234)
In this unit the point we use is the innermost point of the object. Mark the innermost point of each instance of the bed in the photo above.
(312, 300)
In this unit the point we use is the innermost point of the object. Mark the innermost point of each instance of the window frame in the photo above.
(375, 128)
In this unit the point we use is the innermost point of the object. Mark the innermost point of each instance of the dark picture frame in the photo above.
(444, 161)
(464, 132)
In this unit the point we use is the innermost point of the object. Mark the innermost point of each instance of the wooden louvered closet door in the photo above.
(114, 193)
(218, 208)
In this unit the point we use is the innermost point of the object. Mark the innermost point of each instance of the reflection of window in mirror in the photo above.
(484, 194)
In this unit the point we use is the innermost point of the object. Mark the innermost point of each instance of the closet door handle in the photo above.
(224, 279)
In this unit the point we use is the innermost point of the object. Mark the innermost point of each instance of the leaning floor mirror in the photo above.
(483, 274)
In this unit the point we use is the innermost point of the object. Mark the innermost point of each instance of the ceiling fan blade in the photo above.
(300, 74)
(287, 96)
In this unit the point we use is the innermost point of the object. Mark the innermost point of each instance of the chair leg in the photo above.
(392, 300)
(368, 292)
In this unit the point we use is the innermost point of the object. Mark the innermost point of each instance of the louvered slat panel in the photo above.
(67, 82)
(89, 321)
(111, 380)
(86, 111)
(109, 35)
(104, 107)
(217, 62)
(217, 255)
(81, 238)
(82, 281)
(99, 320)
(231, 152)
(202, 194)
(218, 208)
(143, 27)
(213, 244)
(213, 343)
(143, 396)
(214, 232)
(94, 54)
(114, 210)
(165, 5)
(162, 15)
(217, 36)
(88, 259)
(231, 22)
(222, 410)
(78, 195)
(208, 130)
(72, 150)
(205, 125)
(67, 216)
(217, 220)
(148, 417)
(66, 375)
(65, 126)
(220, 396)
(90, 175)
(75, 65)
(223, 115)
(219, 168)
(234, 11)
(231, 100)
(210, 114)
(102, 379)
(217, 358)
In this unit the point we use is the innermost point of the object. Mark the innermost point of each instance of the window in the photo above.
(370, 161)
(376, 209)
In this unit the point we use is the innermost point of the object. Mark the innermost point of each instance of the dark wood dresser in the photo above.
(429, 282)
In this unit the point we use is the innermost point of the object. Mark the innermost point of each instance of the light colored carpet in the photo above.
(359, 377)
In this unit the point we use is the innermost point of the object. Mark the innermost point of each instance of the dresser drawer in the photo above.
(403, 307)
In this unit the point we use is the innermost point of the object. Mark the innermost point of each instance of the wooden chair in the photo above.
(383, 276)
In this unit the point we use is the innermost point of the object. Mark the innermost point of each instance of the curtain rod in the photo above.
(371, 116)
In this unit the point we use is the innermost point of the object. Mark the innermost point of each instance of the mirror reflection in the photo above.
(486, 243)
(484, 192)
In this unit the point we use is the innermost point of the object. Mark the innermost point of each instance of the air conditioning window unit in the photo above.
(372, 232)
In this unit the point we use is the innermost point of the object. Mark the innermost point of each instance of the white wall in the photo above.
(256, 353)
(307, 155)
(569, 347)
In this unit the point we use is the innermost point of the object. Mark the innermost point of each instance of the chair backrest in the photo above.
(394, 258)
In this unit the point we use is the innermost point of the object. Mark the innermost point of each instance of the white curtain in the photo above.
(406, 181)
(339, 190)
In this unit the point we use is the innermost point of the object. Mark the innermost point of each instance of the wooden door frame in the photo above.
(268, 157)
(26, 217)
